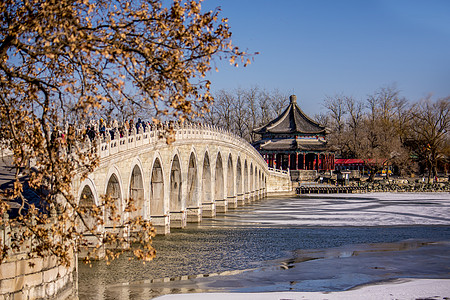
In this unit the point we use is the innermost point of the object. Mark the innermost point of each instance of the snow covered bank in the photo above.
(400, 289)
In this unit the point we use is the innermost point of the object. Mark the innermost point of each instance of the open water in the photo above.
(249, 250)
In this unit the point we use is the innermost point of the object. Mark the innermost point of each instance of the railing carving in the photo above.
(151, 135)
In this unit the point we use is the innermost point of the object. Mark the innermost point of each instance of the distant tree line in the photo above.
(387, 129)
(383, 129)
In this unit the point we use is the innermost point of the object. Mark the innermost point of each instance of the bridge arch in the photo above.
(114, 190)
(259, 183)
(261, 180)
(252, 179)
(246, 181)
(175, 185)
(156, 199)
(255, 186)
(192, 193)
(88, 186)
(87, 198)
(239, 191)
(206, 179)
(230, 177)
(136, 190)
(219, 179)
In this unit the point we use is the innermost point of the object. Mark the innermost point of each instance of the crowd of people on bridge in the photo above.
(67, 135)
(98, 129)
(102, 129)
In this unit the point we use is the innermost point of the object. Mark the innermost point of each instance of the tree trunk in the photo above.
(373, 171)
(429, 171)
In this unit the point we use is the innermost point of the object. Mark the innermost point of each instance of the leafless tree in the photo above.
(430, 127)
(355, 119)
(337, 112)
(242, 110)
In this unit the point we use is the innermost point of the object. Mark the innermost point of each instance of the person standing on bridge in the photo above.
(102, 128)
(139, 124)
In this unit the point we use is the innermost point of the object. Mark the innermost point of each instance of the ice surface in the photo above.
(373, 209)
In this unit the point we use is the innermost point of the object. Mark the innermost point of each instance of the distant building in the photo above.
(361, 165)
(295, 141)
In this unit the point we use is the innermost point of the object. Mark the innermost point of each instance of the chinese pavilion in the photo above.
(294, 141)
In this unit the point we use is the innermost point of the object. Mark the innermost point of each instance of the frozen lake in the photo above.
(374, 209)
(315, 243)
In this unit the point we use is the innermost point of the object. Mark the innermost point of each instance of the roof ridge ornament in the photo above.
(293, 99)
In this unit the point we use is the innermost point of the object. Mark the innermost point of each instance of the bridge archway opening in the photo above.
(113, 212)
(259, 179)
(218, 191)
(256, 179)
(246, 187)
(262, 181)
(206, 180)
(137, 192)
(157, 190)
(175, 185)
(230, 177)
(192, 183)
(239, 177)
(86, 204)
(252, 188)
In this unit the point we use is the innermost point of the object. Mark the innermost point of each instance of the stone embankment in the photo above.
(408, 187)
(394, 186)
(23, 276)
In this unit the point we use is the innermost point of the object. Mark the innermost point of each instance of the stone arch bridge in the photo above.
(206, 171)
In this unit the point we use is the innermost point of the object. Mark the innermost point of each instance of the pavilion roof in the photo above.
(291, 120)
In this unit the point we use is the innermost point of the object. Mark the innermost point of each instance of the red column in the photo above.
(289, 161)
(304, 161)
(296, 161)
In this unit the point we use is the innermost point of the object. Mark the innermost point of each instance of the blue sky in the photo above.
(320, 48)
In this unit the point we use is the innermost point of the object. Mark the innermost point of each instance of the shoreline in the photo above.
(403, 288)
